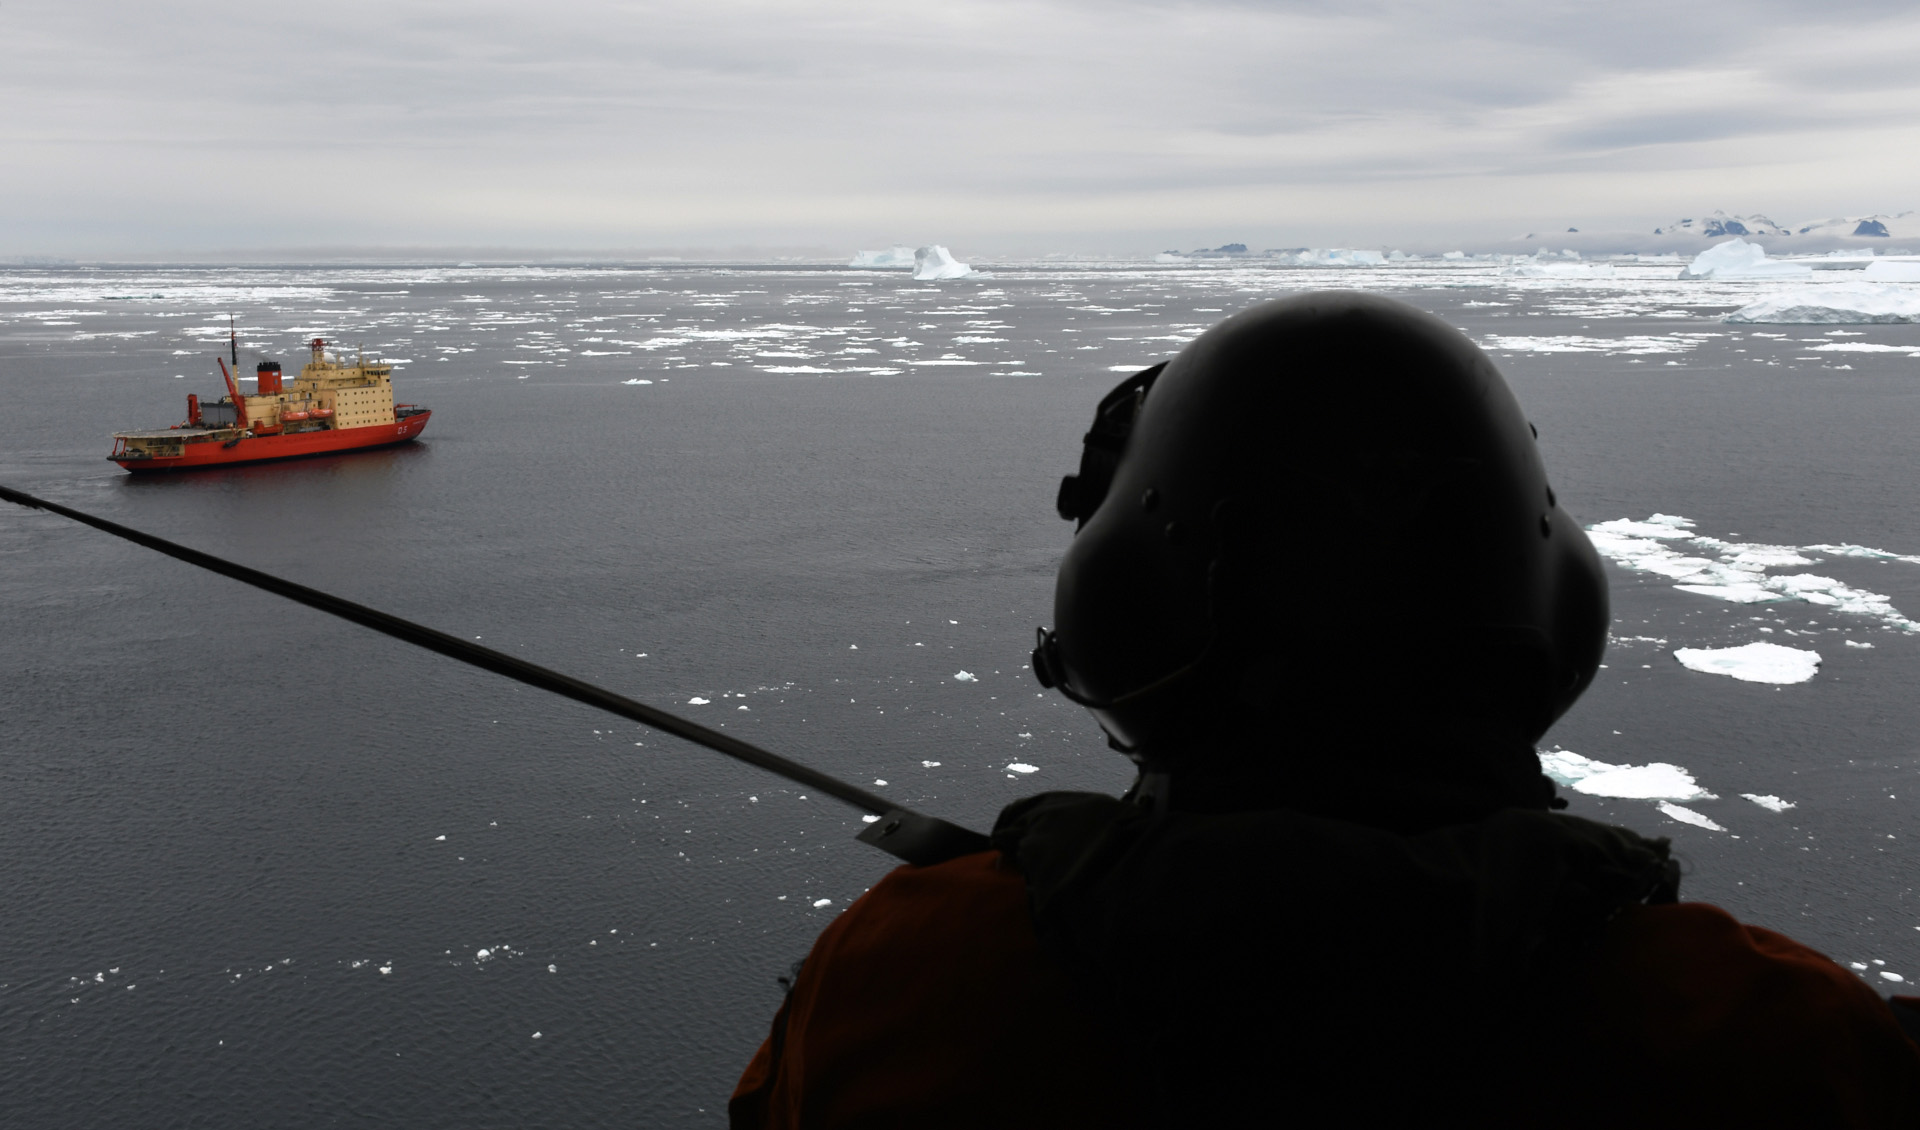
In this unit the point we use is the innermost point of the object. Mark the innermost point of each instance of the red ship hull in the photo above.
(259, 449)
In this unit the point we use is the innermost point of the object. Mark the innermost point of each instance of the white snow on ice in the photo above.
(1847, 304)
(1655, 781)
(1769, 802)
(1893, 270)
(1752, 663)
(1738, 571)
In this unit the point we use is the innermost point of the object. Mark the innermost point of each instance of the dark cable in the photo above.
(491, 660)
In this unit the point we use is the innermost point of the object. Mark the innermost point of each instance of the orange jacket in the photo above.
(929, 1003)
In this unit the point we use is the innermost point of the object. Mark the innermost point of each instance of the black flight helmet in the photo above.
(1325, 522)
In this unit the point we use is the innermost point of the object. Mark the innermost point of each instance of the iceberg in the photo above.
(893, 258)
(1753, 663)
(1894, 270)
(936, 262)
(1738, 259)
(1849, 304)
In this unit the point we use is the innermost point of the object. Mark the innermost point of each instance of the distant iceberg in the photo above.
(936, 262)
(1335, 257)
(893, 258)
(1738, 259)
(1832, 305)
(1529, 269)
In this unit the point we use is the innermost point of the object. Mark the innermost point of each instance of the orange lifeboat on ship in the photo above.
(294, 416)
(322, 413)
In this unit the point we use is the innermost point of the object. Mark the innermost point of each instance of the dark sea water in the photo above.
(250, 857)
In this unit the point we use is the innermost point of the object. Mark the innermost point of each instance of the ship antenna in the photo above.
(233, 342)
(900, 831)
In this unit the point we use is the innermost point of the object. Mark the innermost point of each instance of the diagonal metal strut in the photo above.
(912, 836)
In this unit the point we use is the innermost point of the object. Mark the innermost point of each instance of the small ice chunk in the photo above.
(1858, 643)
(553, 969)
(1023, 767)
(637, 381)
(1891, 976)
(536, 1035)
(743, 708)
(1769, 802)
(868, 819)
(929, 765)
(879, 782)
(437, 839)
(821, 902)
(696, 700)
(482, 955)
(385, 969)
(1753, 663)
(965, 677)
(1689, 816)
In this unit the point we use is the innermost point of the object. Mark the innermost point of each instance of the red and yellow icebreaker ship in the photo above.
(333, 405)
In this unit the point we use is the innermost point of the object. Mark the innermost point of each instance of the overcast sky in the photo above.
(139, 126)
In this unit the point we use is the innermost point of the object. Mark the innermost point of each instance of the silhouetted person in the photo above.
(1323, 595)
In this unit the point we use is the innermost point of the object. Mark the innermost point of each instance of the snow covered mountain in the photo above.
(1903, 224)
(1718, 224)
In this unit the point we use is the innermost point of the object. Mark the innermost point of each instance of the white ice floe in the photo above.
(1894, 270)
(637, 381)
(936, 262)
(1769, 802)
(1022, 767)
(966, 677)
(821, 902)
(1847, 304)
(1688, 816)
(1752, 663)
(1738, 259)
(1529, 269)
(1739, 571)
(1655, 781)
(698, 701)
(893, 258)
(1575, 343)
(1335, 257)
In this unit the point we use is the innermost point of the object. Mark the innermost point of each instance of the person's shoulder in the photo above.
(1711, 1011)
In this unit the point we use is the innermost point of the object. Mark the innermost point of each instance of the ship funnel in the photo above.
(267, 374)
